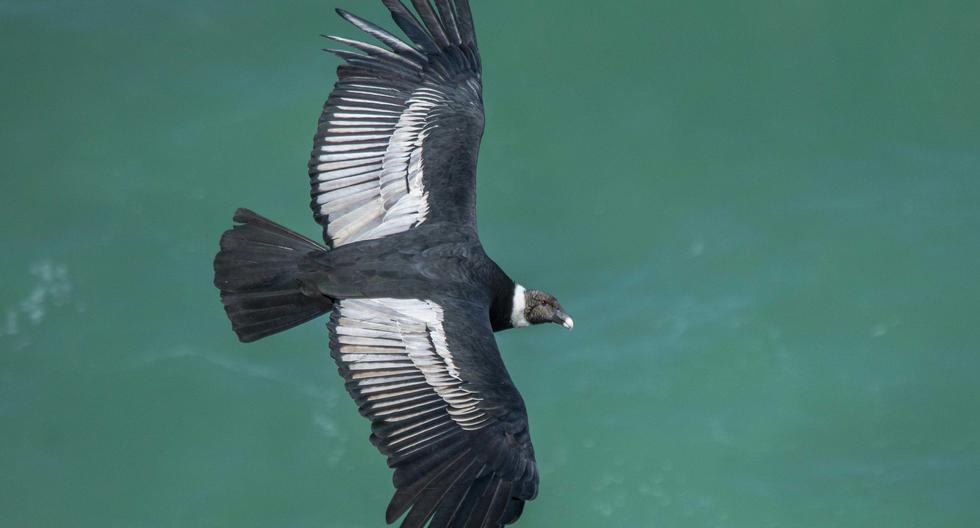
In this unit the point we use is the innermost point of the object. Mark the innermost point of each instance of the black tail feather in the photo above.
(257, 271)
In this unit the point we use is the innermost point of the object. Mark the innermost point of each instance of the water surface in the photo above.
(762, 215)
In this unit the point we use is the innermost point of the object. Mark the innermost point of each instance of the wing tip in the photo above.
(457, 26)
(392, 514)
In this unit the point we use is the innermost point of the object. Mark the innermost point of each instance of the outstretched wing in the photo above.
(398, 138)
(443, 409)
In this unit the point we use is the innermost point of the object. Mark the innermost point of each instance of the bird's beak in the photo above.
(564, 319)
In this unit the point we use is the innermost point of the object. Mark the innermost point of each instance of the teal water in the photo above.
(763, 216)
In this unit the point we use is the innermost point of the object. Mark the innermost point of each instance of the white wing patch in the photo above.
(368, 178)
(401, 367)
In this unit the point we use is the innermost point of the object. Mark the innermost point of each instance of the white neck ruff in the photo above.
(517, 318)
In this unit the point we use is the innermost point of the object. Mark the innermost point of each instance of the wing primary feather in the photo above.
(449, 504)
(368, 61)
(375, 51)
(449, 21)
(464, 19)
(471, 500)
(408, 470)
(512, 511)
(457, 502)
(431, 22)
(492, 510)
(395, 43)
(410, 25)
(406, 495)
(432, 496)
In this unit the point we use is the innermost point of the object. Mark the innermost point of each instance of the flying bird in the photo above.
(414, 299)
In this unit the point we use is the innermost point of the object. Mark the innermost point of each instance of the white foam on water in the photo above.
(52, 288)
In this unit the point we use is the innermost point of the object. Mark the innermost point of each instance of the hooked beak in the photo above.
(563, 319)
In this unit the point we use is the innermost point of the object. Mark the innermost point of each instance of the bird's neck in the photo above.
(507, 310)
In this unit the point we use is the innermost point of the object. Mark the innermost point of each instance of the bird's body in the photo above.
(439, 257)
(413, 297)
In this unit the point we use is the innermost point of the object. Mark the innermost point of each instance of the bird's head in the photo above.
(536, 307)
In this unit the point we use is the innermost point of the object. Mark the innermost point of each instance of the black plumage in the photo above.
(414, 298)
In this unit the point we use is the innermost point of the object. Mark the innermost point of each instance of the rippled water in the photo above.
(762, 215)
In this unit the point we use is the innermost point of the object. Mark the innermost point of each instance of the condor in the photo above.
(413, 298)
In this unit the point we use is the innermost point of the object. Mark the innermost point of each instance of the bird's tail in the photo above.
(258, 273)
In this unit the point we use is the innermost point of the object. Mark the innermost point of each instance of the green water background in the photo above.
(763, 216)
